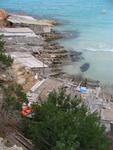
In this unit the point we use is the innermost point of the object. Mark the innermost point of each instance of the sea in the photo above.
(91, 20)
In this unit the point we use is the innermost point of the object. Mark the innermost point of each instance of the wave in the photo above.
(97, 50)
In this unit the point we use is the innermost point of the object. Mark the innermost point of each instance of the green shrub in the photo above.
(5, 59)
(63, 123)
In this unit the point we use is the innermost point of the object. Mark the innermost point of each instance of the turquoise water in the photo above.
(93, 19)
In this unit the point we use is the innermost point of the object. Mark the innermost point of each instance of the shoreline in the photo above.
(51, 41)
(55, 35)
(43, 16)
(25, 43)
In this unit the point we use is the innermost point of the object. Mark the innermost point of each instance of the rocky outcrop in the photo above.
(3, 14)
(52, 36)
(3, 147)
(75, 56)
(3, 18)
(23, 76)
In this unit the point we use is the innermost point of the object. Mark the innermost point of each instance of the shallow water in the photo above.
(92, 19)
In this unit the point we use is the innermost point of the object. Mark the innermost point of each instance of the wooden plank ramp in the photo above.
(20, 141)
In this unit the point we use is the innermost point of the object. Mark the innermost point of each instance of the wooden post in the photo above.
(43, 68)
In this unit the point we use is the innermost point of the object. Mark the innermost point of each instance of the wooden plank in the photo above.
(27, 60)
(22, 19)
(17, 32)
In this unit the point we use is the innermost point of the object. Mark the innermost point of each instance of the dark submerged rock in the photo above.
(55, 35)
(52, 36)
(84, 67)
(75, 56)
(70, 34)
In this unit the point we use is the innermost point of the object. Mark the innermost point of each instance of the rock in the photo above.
(75, 56)
(3, 14)
(3, 147)
(52, 36)
(53, 46)
(70, 34)
(84, 67)
(21, 81)
(3, 18)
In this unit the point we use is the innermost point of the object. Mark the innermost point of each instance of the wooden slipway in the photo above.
(26, 59)
(22, 19)
(24, 48)
(21, 40)
(37, 25)
(11, 32)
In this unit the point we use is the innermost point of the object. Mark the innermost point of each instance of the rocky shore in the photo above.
(38, 61)
(42, 44)
(40, 40)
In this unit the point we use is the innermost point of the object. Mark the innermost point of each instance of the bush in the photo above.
(14, 97)
(5, 59)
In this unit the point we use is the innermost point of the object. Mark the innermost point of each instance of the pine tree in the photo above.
(64, 123)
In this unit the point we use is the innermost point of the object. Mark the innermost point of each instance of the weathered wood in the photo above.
(23, 140)
(23, 48)
(27, 60)
(25, 32)
(31, 41)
